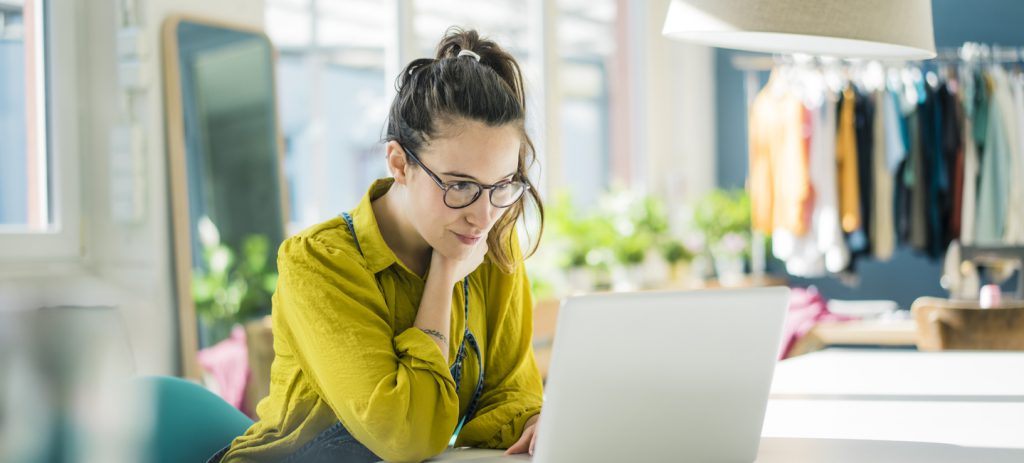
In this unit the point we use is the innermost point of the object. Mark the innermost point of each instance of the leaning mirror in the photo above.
(225, 177)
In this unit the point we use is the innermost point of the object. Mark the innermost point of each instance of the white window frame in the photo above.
(61, 243)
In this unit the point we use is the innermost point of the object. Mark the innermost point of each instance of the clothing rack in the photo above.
(979, 52)
(968, 52)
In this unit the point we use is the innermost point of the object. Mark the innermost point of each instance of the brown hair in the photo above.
(447, 88)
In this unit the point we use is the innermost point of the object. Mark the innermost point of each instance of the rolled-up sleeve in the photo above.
(513, 391)
(392, 391)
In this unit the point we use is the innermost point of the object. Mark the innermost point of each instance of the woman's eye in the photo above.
(462, 186)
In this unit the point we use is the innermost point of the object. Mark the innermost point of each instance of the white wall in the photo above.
(680, 95)
(123, 265)
(673, 147)
(136, 259)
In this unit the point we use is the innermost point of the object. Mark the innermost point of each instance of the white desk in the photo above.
(852, 373)
(886, 406)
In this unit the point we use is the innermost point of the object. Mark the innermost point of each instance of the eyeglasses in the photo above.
(458, 195)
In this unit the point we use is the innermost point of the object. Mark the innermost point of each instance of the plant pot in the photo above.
(580, 280)
(657, 272)
(679, 274)
(628, 277)
(700, 270)
(729, 270)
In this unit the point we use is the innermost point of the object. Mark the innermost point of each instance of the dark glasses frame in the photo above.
(446, 187)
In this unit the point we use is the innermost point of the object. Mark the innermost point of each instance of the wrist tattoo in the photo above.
(436, 334)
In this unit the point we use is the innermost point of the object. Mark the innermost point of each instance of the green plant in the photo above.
(232, 287)
(721, 214)
(674, 252)
(639, 222)
(631, 250)
(580, 237)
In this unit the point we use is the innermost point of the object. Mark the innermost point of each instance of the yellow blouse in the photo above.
(346, 349)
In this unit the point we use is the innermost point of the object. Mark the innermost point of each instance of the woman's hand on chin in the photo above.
(454, 270)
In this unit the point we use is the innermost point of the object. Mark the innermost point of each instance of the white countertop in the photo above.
(842, 406)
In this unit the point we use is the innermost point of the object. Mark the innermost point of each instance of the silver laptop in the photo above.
(661, 376)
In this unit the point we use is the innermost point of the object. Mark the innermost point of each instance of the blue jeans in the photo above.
(335, 444)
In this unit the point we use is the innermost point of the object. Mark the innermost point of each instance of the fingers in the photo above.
(523, 444)
(520, 446)
(533, 443)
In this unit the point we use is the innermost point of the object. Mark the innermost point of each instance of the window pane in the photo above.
(24, 195)
(331, 88)
(503, 21)
(586, 42)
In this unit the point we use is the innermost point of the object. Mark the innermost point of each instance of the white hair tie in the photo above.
(470, 54)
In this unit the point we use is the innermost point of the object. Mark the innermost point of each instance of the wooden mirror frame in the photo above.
(181, 233)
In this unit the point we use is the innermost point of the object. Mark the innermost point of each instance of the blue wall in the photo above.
(907, 275)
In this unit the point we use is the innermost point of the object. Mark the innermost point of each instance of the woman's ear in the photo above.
(397, 165)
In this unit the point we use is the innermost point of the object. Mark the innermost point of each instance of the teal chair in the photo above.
(191, 422)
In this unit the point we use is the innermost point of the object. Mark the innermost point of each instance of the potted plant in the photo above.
(639, 225)
(729, 255)
(723, 216)
(231, 286)
(677, 256)
(581, 241)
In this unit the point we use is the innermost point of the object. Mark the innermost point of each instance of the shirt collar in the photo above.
(376, 252)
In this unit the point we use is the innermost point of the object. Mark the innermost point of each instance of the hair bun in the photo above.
(456, 40)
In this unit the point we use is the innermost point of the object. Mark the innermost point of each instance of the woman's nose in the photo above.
(480, 212)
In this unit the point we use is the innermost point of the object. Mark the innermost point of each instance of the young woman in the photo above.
(406, 322)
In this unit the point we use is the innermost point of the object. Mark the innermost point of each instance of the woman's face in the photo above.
(467, 150)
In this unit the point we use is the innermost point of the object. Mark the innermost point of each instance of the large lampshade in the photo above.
(900, 29)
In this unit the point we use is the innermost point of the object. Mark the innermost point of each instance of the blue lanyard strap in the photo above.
(467, 337)
(352, 228)
(456, 370)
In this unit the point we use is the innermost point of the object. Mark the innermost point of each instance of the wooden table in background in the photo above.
(876, 333)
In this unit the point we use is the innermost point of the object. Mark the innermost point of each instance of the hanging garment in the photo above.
(953, 144)
(825, 217)
(969, 200)
(969, 195)
(823, 248)
(966, 75)
(896, 147)
(938, 176)
(917, 184)
(846, 159)
(982, 91)
(780, 189)
(1011, 216)
(993, 190)
(895, 133)
(883, 232)
(1014, 232)
(759, 165)
(859, 240)
(902, 183)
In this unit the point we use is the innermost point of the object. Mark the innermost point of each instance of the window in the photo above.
(504, 21)
(336, 77)
(39, 180)
(586, 32)
(25, 200)
(331, 87)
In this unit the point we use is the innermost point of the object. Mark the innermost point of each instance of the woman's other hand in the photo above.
(528, 440)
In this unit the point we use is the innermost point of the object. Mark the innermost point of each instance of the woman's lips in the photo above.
(466, 239)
